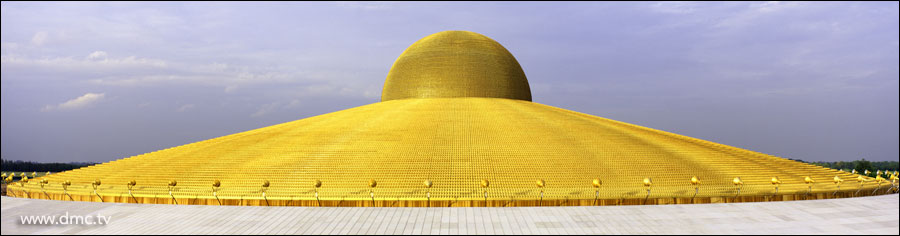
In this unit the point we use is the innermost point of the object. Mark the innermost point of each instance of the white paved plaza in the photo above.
(867, 215)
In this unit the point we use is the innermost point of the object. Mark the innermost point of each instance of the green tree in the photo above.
(862, 165)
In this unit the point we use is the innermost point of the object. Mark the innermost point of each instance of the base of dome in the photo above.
(422, 202)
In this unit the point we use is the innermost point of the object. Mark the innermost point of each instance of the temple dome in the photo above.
(444, 134)
(452, 64)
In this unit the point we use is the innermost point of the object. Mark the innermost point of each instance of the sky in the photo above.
(95, 82)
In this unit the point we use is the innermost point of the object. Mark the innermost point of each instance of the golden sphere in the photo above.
(317, 183)
(776, 181)
(648, 182)
(737, 181)
(265, 184)
(879, 179)
(540, 183)
(861, 179)
(33, 174)
(25, 179)
(217, 183)
(456, 64)
(597, 183)
(695, 180)
(45, 181)
(428, 183)
(96, 182)
(66, 183)
(837, 179)
(808, 180)
(485, 183)
(173, 183)
(132, 183)
(372, 183)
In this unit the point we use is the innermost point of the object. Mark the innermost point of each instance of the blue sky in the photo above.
(103, 81)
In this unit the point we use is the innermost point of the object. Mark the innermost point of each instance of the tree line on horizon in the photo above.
(27, 166)
(859, 165)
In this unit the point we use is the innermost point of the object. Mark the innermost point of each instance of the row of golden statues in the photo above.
(485, 184)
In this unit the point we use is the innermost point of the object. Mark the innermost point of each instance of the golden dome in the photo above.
(456, 64)
(505, 144)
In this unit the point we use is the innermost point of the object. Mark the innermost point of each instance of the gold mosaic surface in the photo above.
(456, 64)
(455, 143)
(459, 117)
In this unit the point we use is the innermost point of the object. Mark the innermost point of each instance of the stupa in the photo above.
(456, 126)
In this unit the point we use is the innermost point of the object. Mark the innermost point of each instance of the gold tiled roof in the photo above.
(488, 149)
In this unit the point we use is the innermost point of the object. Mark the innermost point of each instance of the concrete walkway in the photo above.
(867, 215)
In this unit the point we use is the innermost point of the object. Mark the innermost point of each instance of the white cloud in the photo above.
(77, 103)
(762, 13)
(97, 55)
(674, 7)
(185, 107)
(369, 6)
(230, 88)
(265, 109)
(39, 38)
(102, 69)
(90, 65)
(9, 46)
(372, 91)
(771, 6)
(294, 103)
